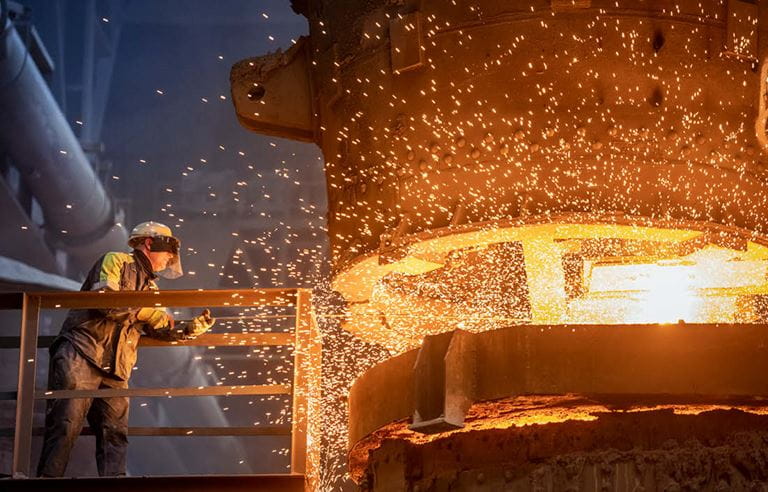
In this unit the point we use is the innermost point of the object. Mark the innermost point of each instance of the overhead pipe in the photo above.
(79, 216)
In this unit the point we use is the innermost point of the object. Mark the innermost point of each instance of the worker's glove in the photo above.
(155, 317)
(199, 324)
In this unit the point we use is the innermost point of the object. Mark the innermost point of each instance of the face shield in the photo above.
(170, 244)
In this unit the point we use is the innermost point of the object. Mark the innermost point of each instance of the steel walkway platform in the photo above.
(187, 483)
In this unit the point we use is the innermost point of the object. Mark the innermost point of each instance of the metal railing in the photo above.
(306, 356)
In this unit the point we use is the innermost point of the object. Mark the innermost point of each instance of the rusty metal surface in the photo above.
(381, 395)
(741, 35)
(505, 118)
(438, 117)
(199, 483)
(406, 43)
(653, 450)
(676, 362)
(716, 360)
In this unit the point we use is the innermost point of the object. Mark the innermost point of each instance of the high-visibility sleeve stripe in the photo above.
(111, 271)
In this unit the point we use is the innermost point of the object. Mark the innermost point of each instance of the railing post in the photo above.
(25, 396)
(306, 389)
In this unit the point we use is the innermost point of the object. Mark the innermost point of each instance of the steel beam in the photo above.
(22, 439)
(173, 298)
(306, 383)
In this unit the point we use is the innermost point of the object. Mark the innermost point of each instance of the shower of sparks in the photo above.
(507, 163)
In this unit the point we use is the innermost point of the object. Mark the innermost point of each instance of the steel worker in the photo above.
(96, 348)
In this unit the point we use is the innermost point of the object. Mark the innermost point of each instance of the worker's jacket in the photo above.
(108, 338)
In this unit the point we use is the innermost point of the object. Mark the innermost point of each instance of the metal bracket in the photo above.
(406, 42)
(391, 247)
(273, 94)
(444, 382)
(459, 215)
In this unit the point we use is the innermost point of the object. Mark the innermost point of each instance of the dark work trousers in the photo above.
(64, 418)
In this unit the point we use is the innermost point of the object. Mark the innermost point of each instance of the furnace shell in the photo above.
(476, 147)
(435, 113)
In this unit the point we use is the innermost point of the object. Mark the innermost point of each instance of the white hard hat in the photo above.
(162, 240)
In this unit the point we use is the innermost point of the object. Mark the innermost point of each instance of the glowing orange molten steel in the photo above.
(557, 273)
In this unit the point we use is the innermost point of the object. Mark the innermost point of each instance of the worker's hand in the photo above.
(200, 324)
(155, 317)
